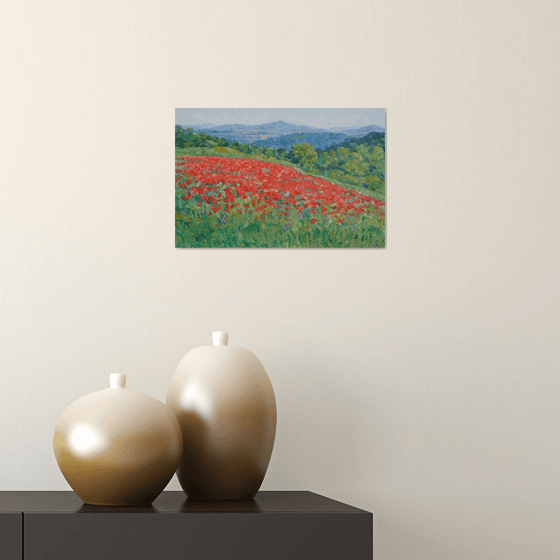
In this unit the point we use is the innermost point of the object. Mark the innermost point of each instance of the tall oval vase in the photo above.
(225, 404)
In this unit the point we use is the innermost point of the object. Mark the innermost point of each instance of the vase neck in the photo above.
(220, 338)
(117, 380)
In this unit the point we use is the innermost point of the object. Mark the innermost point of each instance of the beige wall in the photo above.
(420, 382)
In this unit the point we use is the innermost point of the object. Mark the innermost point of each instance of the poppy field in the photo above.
(230, 201)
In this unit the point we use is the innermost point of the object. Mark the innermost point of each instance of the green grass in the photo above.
(204, 229)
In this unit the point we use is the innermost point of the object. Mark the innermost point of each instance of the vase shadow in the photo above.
(220, 506)
(89, 508)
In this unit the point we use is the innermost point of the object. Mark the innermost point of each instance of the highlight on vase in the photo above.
(280, 178)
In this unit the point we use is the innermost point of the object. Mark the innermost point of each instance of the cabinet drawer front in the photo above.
(11, 527)
(210, 536)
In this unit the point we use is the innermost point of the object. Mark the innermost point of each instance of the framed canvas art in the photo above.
(280, 178)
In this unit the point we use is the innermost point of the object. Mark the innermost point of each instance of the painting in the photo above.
(279, 178)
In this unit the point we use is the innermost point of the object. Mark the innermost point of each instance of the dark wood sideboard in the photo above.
(284, 525)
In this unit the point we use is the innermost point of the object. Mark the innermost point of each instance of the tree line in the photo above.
(359, 162)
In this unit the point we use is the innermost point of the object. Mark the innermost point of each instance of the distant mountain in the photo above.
(277, 128)
(226, 127)
(264, 134)
(282, 125)
(367, 129)
(355, 130)
(344, 129)
(315, 139)
(251, 134)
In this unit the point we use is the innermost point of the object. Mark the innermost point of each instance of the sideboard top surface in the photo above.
(175, 502)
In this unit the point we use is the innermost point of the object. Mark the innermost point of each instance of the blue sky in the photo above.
(319, 118)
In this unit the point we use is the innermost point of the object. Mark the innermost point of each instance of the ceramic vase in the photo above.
(117, 446)
(225, 405)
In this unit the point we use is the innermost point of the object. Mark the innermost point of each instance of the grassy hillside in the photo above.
(359, 163)
(225, 199)
(230, 152)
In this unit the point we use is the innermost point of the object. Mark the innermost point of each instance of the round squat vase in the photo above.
(117, 447)
(225, 405)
